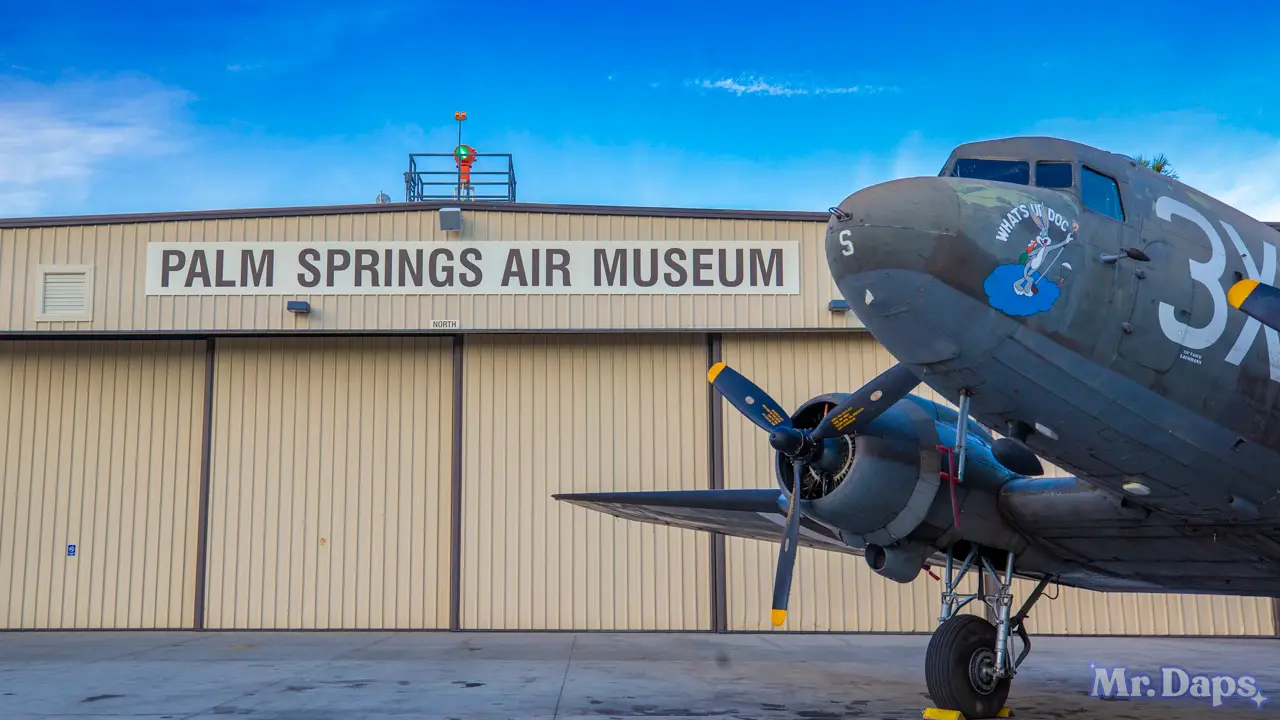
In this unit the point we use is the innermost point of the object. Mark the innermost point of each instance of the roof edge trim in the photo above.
(369, 208)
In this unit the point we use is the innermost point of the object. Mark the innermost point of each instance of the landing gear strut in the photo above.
(969, 664)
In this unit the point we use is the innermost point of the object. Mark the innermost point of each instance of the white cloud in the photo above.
(56, 142)
(125, 146)
(113, 157)
(756, 86)
(17, 202)
(749, 86)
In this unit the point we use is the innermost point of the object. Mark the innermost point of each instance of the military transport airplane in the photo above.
(1077, 303)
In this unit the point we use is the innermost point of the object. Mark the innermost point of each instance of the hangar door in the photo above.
(99, 483)
(839, 592)
(329, 497)
(546, 414)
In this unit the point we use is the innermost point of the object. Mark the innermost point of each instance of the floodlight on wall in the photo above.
(298, 307)
(450, 219)
(839, 306)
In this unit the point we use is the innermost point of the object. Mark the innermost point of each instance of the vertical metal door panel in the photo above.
(578, 414)
(330, 484)
(100, 450)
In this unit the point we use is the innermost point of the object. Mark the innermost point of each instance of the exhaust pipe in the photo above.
(900, 563)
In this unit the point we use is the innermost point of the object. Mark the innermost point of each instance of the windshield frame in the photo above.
(1011, 166)
(952, 168)
(1072, 165)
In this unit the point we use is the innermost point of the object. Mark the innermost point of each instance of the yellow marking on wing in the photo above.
(1240, 291)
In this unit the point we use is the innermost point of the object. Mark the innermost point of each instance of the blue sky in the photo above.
(150, 106)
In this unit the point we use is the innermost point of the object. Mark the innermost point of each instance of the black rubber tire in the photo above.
(946, 668)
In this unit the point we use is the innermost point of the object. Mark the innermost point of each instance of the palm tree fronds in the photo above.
(1160, 163)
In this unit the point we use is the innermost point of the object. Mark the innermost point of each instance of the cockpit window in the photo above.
(1054, 175)
(1010, 171)
(1100, 194)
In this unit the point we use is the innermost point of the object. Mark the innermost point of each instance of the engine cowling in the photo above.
(882, 488)
(876, 487)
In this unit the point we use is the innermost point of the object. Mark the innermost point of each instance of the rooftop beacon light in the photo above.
(464, 156)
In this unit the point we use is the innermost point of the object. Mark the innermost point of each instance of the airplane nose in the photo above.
(885, 243)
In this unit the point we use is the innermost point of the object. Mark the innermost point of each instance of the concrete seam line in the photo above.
(565, 680)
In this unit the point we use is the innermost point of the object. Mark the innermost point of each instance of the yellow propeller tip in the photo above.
(779, 617)
(1236, 296)
(714, 371)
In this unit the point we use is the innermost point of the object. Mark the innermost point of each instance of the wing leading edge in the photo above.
(754, 514)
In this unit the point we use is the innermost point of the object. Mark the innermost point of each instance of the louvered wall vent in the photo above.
(65, 293)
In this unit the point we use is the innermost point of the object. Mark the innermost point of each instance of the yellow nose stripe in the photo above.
(1240, 291)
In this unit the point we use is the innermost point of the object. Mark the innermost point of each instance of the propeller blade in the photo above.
(1257, 300)
(787, 553)
(859, 409)
(750, 400)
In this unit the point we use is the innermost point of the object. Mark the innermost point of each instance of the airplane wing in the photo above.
(1257, 300)
(754, 514)
(758, 515)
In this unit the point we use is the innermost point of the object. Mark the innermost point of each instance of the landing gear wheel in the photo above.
(959, 668)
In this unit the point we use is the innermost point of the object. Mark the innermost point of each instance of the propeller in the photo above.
(803, 446)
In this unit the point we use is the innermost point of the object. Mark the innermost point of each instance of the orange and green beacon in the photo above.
(464, 156)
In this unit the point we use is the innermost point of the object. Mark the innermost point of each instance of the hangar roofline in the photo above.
(367, 208)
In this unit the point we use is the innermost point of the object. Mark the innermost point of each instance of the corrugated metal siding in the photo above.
(580, 414)
(329, 500)
(1068, 611)
(100, 448)
(118, 253)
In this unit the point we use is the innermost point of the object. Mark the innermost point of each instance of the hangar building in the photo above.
(349, 417)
